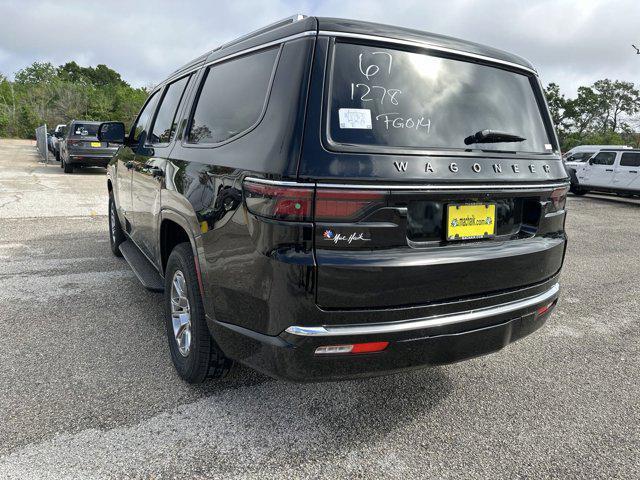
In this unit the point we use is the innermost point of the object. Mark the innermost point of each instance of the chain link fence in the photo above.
(41, 143)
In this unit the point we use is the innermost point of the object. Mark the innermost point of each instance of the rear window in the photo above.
(580, 157)
(631, 159)
(85, 130)
(232, 97)
(391, 98)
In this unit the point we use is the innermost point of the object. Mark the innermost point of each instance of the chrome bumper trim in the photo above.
(420, 323)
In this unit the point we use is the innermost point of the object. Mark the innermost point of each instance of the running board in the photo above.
(142, 267)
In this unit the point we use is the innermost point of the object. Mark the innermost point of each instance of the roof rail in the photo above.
(268, 28)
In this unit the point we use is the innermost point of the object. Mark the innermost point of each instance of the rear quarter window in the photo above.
(232, 97)
(381, 97)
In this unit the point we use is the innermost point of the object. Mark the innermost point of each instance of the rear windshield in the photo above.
(391, 98)
(85, 130)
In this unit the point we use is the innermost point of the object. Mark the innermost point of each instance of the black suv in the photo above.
(324, 199)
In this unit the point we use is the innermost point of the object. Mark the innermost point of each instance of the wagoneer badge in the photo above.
(401, 167)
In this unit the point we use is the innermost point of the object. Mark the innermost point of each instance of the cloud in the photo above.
(571, 42)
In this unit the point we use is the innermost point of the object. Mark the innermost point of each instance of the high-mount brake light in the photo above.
(343, 205)
(279, 202)
(352, 348)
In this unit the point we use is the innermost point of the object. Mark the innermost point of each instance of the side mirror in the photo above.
(112, 132)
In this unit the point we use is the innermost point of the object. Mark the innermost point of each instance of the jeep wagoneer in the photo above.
(326, 199)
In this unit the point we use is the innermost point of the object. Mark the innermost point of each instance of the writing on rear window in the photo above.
(417, 100)
(355, 118)
(376, 70)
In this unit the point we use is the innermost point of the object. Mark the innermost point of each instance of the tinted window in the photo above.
(580, 157)
(604, 158)
(631, 159)
(139, 130)
(84, 130)
(164, 126)
(232, 97)
(393, 98)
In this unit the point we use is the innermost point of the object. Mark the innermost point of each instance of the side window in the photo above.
(604, 158)
(164, 125)
(631, 159)
(232, 97)
(139, 129)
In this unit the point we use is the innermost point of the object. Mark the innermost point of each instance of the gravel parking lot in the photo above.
(87, 389)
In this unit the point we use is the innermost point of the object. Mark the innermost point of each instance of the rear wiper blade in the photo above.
(492, 136)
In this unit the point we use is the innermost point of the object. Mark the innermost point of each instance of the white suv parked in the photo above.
(610, 170)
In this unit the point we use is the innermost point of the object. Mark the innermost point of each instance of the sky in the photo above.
(570, 42)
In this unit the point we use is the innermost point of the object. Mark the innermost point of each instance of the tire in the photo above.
(194, 353)
(67, 168)
(577, 190)
(116, 234)
(57, 155)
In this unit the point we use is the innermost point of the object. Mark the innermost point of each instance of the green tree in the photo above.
(618, 100)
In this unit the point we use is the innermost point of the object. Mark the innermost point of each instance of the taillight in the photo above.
(342, 205)
(72, 142)
(559, 199)
(279, 202)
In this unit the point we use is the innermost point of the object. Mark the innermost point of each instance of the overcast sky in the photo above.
(571, 42)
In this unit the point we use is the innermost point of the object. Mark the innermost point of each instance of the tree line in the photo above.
(42, 93)
(606, 112)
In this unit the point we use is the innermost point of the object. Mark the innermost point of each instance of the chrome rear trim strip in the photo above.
(452, 187)
(424, 188)
(427, 46)
(418, 324)
(279, 183)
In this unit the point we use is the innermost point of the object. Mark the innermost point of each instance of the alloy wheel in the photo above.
(181, 313)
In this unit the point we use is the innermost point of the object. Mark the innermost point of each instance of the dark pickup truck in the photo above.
(326, 199)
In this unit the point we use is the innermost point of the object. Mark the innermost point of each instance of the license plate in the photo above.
(471, 221)
(96, 144)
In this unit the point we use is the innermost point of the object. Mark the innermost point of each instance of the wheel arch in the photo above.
(175, 229)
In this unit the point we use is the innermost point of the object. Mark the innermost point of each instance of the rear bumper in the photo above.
(89, 159)
(413, 343)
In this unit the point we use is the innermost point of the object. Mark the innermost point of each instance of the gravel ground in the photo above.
(87, 389)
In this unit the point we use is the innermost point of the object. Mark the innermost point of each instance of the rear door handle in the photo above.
(609, 170)
(633, 171)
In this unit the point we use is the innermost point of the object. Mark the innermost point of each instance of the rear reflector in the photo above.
(370, 347)
(545, 309)
(279, 202)
(338, 204)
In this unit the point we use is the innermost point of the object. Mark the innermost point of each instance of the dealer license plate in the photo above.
(96, 144)
(471, 221)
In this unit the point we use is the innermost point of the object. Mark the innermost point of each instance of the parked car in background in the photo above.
(50, 142)
(317, 202)
(611, 170)
(80, 147)
(588, 148)
(57, 134)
